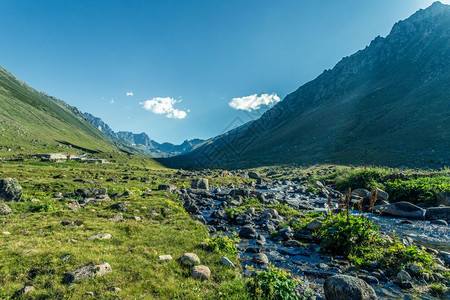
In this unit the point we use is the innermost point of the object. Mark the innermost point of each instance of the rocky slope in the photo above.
(143, 141)
(386, 104)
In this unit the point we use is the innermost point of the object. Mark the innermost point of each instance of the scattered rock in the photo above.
(88, 271)
(73, 205)
(76, 223)
(117, 218)
(248, 232)
(201, 272)
(190, 259)
(415, 269)
(314, 225)
(226, 262)
(260, 259)
(27, 289)
(100, 236)
(201, 183)
(443, 199)
(165, 257)
(10, 190)
(120, 206)
(5, 209)
(114, 289)
(402, 209)
(441, 212)
(167, 187)
(343, 287)
(403, 276)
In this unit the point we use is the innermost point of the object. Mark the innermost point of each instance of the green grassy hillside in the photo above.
(35, 122)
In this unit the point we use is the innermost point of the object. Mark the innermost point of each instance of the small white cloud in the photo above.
(254, 102)
(111, 101)
(164, 106)
(130, 94)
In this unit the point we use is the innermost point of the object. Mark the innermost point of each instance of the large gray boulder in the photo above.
(10, 190)
(248, 232)
(343, 287)
(201, 183)
(88, 271)
(5, 209)
(402, 209)
(438, 213)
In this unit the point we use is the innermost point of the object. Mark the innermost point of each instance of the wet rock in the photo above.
(402, 209)
(190, 259)
(243, 219)
(5, 209)
(286, 233)
(226, 262)
(248, 232)
(200, 272)
(441, 212)
(343, 287)
(219, 214)
(201, 183)
(88, 271)
(272, 212)
(369, 279)
(260, 259)
(10, 190)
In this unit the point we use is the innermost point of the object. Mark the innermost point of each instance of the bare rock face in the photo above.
(88, 271)
(343, 287)
(10, 190)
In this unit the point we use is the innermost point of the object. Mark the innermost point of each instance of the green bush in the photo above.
(437, 289)
(397, 256)
(360, 178)
(422, 189)
(223, 244)
(274, 284)
(43, 206)
(353, 236)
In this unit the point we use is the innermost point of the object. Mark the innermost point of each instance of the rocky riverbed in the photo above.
(266, 237)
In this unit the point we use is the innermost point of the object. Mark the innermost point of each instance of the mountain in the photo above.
(387, 104)
(143, 141)
(33, 122)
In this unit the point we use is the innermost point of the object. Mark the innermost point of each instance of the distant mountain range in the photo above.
(387, 104)
(143, 141)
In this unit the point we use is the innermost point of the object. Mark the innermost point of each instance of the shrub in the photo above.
(274, 284)
(43, 206)
(360, 178)
(353, 235)
(223, 244)
(422, 189)
(437, 289)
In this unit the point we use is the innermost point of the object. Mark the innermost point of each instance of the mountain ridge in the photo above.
(364, 110)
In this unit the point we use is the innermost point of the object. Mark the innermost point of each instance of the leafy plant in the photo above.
(274, 284)
(361, 178)
(224, 244)
(437, 289)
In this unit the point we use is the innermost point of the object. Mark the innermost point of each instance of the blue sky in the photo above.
(184, 61)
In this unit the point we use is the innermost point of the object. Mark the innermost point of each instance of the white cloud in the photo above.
(254, 102)
(130, 94)
(111, 101)
(164, 106)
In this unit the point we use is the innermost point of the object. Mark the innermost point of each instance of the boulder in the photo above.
(248, 232)
(5, 209)
(254, 175)
(200, 272)
(201, 183)
(167, 187)
(260, 259)
(165, 257)
(436, 213)
(10, 190)
(190, 259)
(402, 209)
(88, 271)
(314, 225)
(272, 212)
(343, 287)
